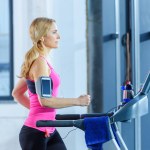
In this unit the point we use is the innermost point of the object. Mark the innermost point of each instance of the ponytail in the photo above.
(30, 57)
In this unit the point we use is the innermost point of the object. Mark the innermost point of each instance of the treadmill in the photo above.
(138, 106)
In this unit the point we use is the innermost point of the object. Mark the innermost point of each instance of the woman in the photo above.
(45, 37)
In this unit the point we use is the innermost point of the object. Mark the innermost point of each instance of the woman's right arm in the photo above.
(40, 69)
(19, 93)
(65, 102)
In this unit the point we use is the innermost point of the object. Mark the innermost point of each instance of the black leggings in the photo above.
(32, 139)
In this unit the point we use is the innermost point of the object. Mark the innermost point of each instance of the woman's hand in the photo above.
(84, 100)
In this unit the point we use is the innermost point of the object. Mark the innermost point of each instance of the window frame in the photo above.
(11, 76)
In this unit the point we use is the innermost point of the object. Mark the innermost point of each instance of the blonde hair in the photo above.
(38, 28)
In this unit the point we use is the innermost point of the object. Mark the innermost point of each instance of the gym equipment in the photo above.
(137, 106)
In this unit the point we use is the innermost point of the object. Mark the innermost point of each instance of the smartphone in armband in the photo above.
(46, 87)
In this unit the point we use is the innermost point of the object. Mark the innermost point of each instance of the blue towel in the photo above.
(97, 132)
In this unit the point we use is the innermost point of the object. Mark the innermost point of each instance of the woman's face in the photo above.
(52, 38)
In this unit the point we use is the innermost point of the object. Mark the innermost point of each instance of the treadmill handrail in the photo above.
(81, 116)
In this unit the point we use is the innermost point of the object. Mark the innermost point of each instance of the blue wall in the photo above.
(109, 60)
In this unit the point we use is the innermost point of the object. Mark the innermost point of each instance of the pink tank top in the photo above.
(38, 112)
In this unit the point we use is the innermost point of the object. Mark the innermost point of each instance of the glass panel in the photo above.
(4, 49)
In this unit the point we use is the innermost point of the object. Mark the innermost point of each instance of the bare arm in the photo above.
(19, 93)
(65, 102)
(40, 69)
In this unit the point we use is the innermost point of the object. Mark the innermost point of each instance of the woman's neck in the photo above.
(45, 53)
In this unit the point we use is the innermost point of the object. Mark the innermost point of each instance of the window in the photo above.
(6, 50)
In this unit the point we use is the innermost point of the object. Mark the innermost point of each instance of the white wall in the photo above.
(69, 60)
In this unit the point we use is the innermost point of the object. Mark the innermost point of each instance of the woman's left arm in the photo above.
(19, 93)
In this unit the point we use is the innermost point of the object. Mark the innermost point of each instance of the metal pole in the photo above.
(136, 66)
(118, 77)
(118, 62)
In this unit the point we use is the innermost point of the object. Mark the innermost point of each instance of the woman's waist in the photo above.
(33, 117)
(40, 111)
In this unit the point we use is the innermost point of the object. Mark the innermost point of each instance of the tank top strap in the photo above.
(42, 57)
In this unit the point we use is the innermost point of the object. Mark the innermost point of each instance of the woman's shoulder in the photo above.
(39, 66)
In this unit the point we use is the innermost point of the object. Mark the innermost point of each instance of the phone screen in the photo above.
(46, 87)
